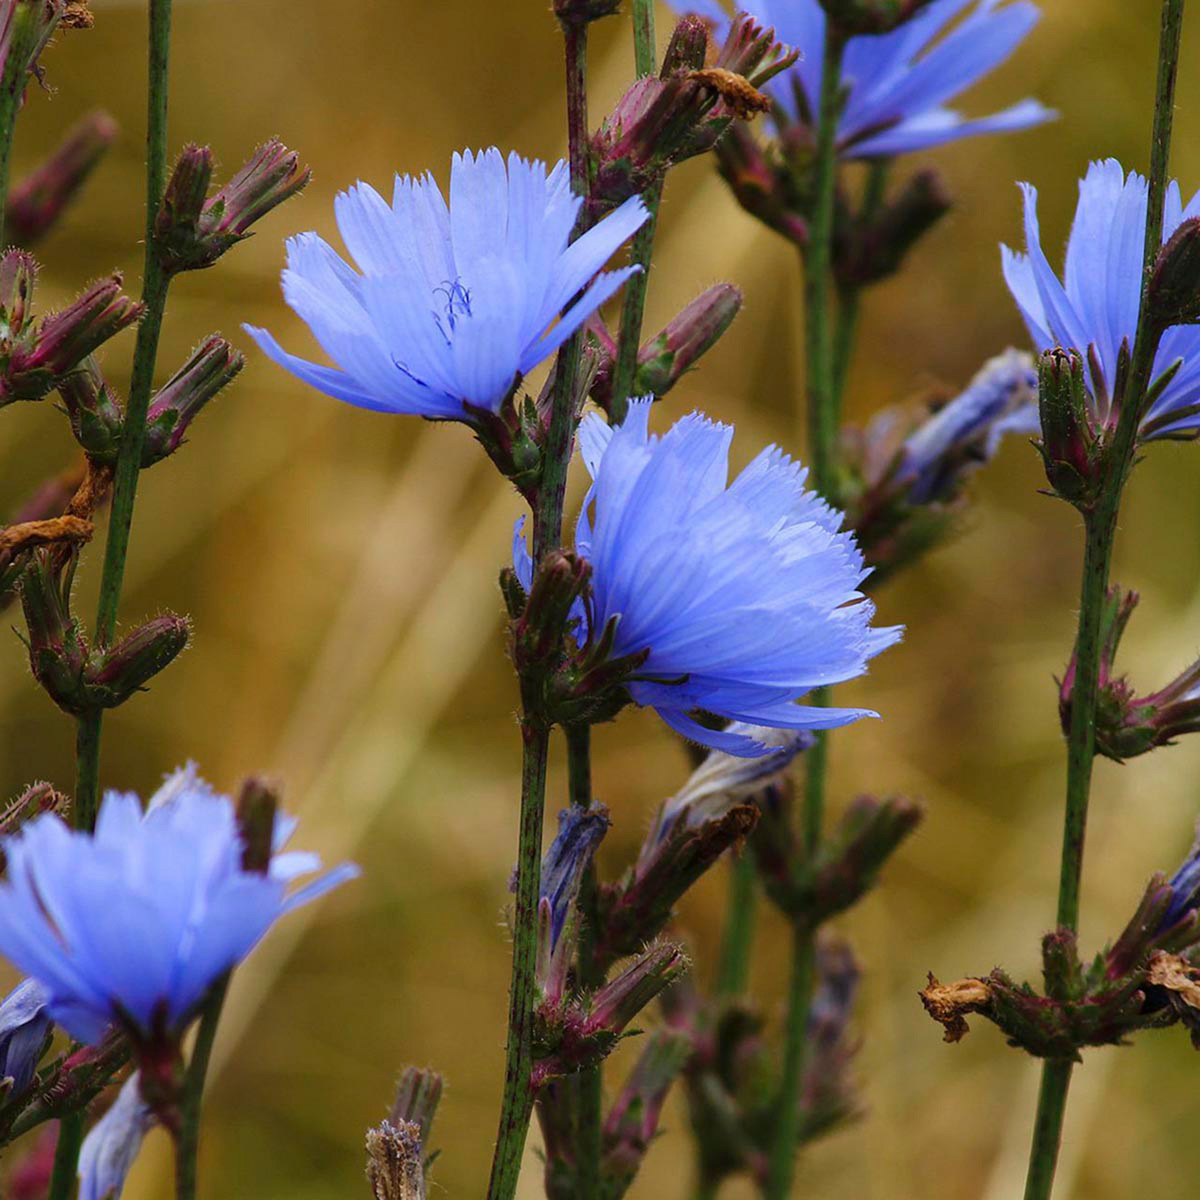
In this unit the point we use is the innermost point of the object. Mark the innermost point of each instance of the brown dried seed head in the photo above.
(742, 97)
(948, 1003)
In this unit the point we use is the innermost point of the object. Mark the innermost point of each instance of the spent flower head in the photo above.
(135, 923)
(1094, 310)
(452, 303)
(897, 84)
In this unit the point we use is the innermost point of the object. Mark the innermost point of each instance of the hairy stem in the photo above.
(1100, 530)
(187, 1142)
(66, 1156)
(589, 1082)
(822, 450)
(633, 310)
(547, 515)
(129, 456)
(517, 1103)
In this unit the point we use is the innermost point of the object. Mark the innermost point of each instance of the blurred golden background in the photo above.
(340, 568)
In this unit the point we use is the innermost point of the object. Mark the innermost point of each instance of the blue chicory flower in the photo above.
(24, 1025)
(744, 594)
(135, 923)
(1001, 399)
(451, 304)
(112, 1144)
(1095, 309)
(898, 83)
(580, 831)
(1185, 889)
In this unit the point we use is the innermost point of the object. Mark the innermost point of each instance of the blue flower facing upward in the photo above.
(741, 596)
(135, 923)
(1094, 309)
(899, 83)
(451, 303)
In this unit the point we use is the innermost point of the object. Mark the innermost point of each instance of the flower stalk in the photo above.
(66, 1155)
(187, 1140)
(633, 308)
(1100, 530)
(822, 419)
(516, 1106)
(129, 457)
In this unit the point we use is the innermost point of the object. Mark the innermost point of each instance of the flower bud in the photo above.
(192, 232)
(661, 122)
(580, 831)
(1126, 724)
(1070, 448)
(257, 812)
(178, 402)
(632, 1122)
(36, 799)
(37, 201)
(114, 673)
(553, 608)
(56, 643)
(418, 1092)
(618, 1002)
(760, 185)
(876, 247)
(581, 12)
(31, 364)
(663, 360)
(96, 415)
(853, 17)
(845, 866)
(687, 49)
(1174, 296)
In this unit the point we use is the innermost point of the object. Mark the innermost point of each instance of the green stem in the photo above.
(66, 1157)
(1047, 1128)
(706, 1189)
(633, 310)
(589, 1083)
(22, 38)
(547, 514)
(822, 450)
(129, 456)
(517, 1103)
(645, 50)
(1100, 529)
(782, 1162)
(737, 935)
(87, 769)
(187, 1142)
